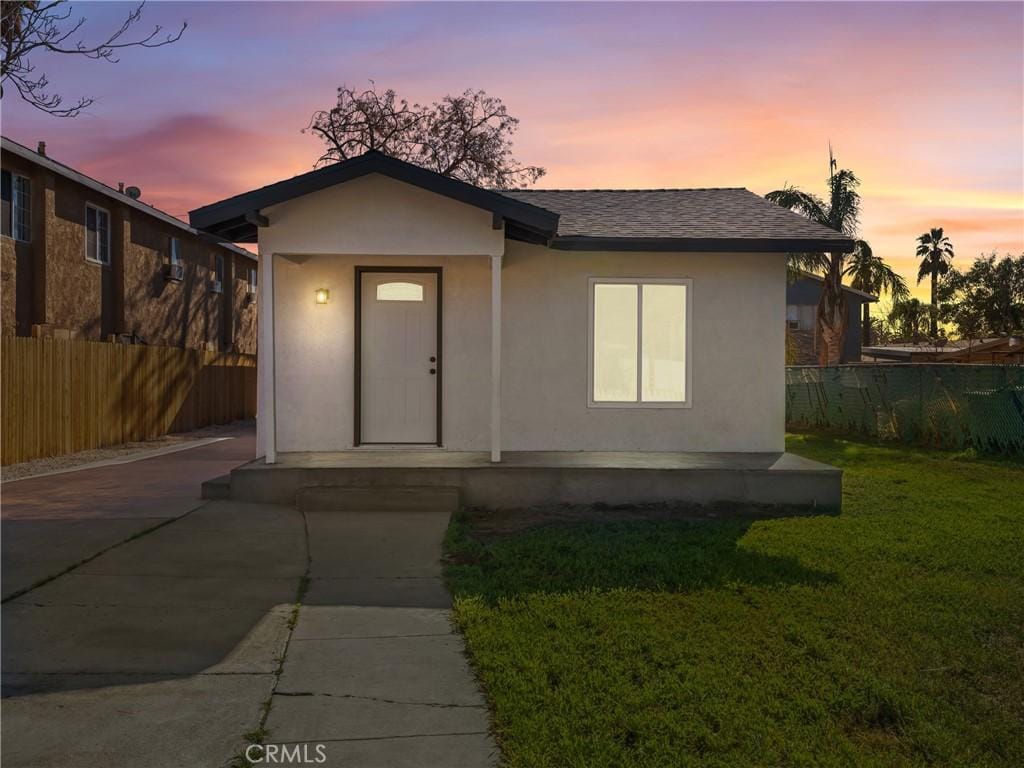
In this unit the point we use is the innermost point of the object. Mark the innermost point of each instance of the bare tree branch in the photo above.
(30, 27)
(468, 137)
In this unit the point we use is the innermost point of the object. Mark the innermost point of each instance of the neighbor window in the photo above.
(17, 206)
(399, 292)
(639, 331)
(792, 316)
(175, 252)
(97, 234)
(253, 275)
(800, 317)
(217, 283)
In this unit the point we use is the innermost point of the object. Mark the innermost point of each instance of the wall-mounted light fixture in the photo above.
(322, 295)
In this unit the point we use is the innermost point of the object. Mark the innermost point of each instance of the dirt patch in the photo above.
(72, 460)
(484, 524)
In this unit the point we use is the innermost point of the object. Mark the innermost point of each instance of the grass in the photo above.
(889, 635)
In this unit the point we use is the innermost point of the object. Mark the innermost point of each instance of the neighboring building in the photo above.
(81, 259)
(1002, 350)
(802, 297)
(538, 328)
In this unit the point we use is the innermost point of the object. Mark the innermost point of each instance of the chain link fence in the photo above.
(947, 406)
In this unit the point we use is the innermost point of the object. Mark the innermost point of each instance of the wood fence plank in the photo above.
(59, 396)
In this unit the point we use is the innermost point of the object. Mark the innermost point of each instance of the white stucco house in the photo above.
(411, 320)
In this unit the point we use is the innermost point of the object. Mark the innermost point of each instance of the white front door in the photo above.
(400, 358)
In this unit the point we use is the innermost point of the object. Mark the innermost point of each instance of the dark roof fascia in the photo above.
(516, 231)
(217, 215)
(712, 244)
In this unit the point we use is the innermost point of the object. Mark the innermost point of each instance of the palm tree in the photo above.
(936, 253)
(840, 213)
(907, 316)
(869, 273)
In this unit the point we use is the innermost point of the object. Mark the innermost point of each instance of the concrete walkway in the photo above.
(51, 523)
(164, 650)
(376, 685)
(159, 652)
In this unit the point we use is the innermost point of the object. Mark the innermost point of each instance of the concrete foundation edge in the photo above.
(503, 488)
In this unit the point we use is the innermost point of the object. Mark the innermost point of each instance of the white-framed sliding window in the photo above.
(639, 342)
(97, 234)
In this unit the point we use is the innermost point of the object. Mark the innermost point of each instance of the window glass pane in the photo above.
(103, 234)
(615, 342)
(91, 249)
(5, 184)
(175, 253)
(807, 313)
(663, 371)
(22, 208)
(399, 292)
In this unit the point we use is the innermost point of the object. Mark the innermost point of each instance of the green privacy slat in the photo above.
(948, 406)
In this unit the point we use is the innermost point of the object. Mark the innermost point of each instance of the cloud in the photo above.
(188, 160)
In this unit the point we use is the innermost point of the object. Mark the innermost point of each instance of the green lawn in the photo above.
(892, 634)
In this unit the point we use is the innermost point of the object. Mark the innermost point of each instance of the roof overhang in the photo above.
(801, 274)
(705, 244)
(238, 218)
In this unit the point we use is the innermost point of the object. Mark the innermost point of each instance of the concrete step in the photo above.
(411, 498)
(217, 488)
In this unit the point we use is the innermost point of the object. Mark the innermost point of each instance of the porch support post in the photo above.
(267, 419)
(496, 358)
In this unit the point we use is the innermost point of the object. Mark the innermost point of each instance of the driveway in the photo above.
(51, 523)
(167, 649)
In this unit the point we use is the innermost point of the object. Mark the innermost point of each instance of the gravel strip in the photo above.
(42, 466)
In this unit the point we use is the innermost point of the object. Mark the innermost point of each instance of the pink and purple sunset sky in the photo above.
(924, 101)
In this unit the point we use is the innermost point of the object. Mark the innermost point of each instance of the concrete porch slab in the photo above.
(544, 478)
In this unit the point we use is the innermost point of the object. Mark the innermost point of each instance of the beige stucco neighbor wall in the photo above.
(737, 353)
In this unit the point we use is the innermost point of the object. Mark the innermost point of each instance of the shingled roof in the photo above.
(726, 214)
(728, 219)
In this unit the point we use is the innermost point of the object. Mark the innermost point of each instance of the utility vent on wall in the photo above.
(174, 271)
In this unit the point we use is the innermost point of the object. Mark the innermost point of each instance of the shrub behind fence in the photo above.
(61, 396)
(949, 406)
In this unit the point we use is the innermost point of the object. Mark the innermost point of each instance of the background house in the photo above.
(802, 296)
(1001, 350)
(87, 261)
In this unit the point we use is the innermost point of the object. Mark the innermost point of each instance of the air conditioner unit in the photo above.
(174, 271)
(215, 287)
(250, 294)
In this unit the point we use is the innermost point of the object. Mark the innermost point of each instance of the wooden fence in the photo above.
(59, 396)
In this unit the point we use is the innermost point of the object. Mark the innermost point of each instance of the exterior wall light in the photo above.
(322, 295)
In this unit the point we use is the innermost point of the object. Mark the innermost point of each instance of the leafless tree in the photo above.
(467, 137)
(30, 28)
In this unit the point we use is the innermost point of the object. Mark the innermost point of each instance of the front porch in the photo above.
(540, 478)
